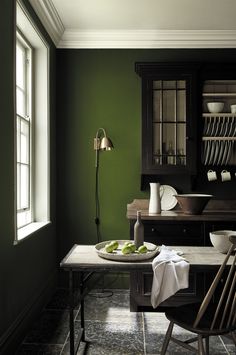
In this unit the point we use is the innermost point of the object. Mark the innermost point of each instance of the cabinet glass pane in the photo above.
(157, 84)
(157, 106)
(169, 143)
(169, 84)
(169, 122)
(181, 144)
(181, 105)
(157, 138)
(169, 105)
(181, 84)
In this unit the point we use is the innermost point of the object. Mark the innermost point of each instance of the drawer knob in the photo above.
(184, 230)
(154, 230)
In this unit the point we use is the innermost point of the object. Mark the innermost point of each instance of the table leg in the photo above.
(71, 301)
(82, 307)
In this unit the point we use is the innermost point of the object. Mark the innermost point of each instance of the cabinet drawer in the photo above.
(141, 285)
(174, 233)
(190, 291)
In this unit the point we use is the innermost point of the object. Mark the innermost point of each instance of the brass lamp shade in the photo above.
(101, 141)
(106, 143)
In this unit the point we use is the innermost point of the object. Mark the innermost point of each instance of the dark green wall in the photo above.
(99, 88)
(27, 270)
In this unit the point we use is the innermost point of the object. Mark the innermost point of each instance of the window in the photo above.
(24, 131)
(32, 127)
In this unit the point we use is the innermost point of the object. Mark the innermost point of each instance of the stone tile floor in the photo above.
(110, 329)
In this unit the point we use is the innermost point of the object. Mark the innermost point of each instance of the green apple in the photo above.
(126, 249)
(132, 246)
(142, 249)
(109, 248)
(115, 244)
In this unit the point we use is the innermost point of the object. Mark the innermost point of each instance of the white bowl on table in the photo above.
(215, 107)
(220, 240)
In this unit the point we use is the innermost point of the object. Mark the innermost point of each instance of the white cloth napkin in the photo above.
(170, 274)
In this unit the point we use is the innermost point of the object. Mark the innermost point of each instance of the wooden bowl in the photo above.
(192, 203)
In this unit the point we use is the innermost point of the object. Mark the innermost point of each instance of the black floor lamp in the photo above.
(101, 143)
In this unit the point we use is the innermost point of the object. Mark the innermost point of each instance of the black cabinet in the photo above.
(169, 116)
(182, 135)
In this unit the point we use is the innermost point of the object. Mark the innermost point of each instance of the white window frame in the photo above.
(25, 212)
(40, 130)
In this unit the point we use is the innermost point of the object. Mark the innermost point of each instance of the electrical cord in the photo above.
(97, 223)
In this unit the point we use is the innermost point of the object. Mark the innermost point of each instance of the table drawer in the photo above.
(174, 233)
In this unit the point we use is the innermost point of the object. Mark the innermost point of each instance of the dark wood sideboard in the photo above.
(174, 228)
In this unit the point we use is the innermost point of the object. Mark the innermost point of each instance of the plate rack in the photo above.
(219, 129)
(218, 139)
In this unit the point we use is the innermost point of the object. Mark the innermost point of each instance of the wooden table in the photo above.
(83, 259)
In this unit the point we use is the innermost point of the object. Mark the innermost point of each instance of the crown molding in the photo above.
(50, 19)
(85, 39)
(148, 39)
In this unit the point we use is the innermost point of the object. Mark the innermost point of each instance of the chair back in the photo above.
(224, 316)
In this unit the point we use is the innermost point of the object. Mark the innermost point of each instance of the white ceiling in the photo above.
(139, 23)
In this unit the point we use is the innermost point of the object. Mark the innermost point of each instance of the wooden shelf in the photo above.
(219, 94)
(207, 138)
(220, 115)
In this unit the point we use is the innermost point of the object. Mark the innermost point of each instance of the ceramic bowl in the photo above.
(220, 240)
(192, 203)
(215, 107)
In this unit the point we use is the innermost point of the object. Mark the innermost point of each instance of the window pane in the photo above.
(24, 142)
(18, 138)
(24, 186)
(23, 218)
(20, 67)
(20, 102)
(18, 186)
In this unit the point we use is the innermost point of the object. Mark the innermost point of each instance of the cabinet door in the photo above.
(168, 118)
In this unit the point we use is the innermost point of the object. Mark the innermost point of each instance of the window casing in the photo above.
(32, 127)
(24, 129)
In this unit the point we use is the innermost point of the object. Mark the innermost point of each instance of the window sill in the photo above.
(27, 231)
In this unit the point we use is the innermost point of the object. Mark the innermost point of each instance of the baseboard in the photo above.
(13, 336)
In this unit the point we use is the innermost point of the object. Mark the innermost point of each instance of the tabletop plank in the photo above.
(85, 257)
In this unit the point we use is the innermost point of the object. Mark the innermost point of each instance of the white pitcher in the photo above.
(155, 200)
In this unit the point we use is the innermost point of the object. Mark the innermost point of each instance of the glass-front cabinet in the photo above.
(169, 122)
(169, 112)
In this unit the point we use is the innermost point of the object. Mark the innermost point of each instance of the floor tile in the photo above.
(114, 338)
(110, 329)
(155, 326)
(110, 309)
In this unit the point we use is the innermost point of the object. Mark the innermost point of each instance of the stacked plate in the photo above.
(217, 152)
(220, 126)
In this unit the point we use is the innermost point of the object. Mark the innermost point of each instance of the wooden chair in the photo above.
(213, 316)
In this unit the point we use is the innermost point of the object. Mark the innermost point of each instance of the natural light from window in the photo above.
(31, 127)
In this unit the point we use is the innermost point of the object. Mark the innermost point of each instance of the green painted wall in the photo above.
(99, 88)
(27, 270)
